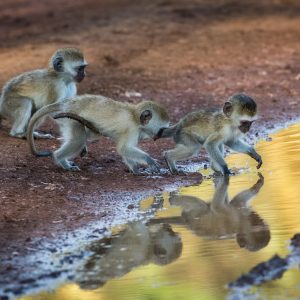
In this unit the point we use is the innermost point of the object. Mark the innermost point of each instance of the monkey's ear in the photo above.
(58, 64)
(145, 117)
(227, 109)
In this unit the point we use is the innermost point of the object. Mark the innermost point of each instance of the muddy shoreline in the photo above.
(53, 258)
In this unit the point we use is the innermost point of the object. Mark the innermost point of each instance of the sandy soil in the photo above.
(186, 54)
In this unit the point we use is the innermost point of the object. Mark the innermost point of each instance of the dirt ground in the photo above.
(185, 54)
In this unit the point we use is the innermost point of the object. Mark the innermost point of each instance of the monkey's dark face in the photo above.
(159, 133)
(245, 126)
(80, 73)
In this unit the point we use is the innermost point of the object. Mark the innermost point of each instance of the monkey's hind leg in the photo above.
(180, 152)
(39, 135)
(20, 111)
(74, 142)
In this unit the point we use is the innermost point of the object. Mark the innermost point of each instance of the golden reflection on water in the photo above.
(209, 261)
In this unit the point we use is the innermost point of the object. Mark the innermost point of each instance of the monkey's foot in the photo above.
(178, 172)
(171, 166)
(68, 165)
(220, 174)
(226, 171)
(144, 172)
(152, 171)
(181, 173)
(84, 152)
(39, 135)
(19, 135)
(73, 168)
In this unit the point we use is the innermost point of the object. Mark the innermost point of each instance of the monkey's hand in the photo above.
(227, 172)
(178, 172)
(258, 158)
(253, 154)
(154, 165)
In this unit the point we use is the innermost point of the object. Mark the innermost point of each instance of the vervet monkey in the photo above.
(223, 218)
(137, 245)
(28, 92)
(124, 123)
(213, 129)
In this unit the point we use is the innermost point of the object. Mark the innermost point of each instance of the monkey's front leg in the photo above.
(240, 146)
(213, 147)
(257, 157)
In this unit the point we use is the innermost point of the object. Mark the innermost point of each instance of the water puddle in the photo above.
(202, 237)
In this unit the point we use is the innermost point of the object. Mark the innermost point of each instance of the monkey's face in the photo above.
(245, 125)
(75, 69)
(80, 72)
(241, 109)
(69, 62)
(241, 119)
(245, 121)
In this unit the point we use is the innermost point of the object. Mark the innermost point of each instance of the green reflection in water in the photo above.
(209, 240)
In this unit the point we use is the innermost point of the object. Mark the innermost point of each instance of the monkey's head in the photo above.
(254, 234)
(241, 109)
(166, 244)
(70, 63)
(152, 117)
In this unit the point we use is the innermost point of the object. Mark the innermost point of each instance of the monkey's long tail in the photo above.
(79, 119)
(51, 108)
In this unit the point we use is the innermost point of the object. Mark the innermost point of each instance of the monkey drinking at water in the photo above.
(124, 123)
(213, 129)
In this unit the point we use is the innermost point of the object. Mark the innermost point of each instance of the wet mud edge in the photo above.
(44, 261)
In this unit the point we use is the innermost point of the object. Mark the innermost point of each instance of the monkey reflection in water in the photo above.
(137, 245)
(223, 218)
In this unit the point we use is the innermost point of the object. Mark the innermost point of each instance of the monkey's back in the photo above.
(21, 83)
(104, 112)
(32, 85)
(202, 123)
